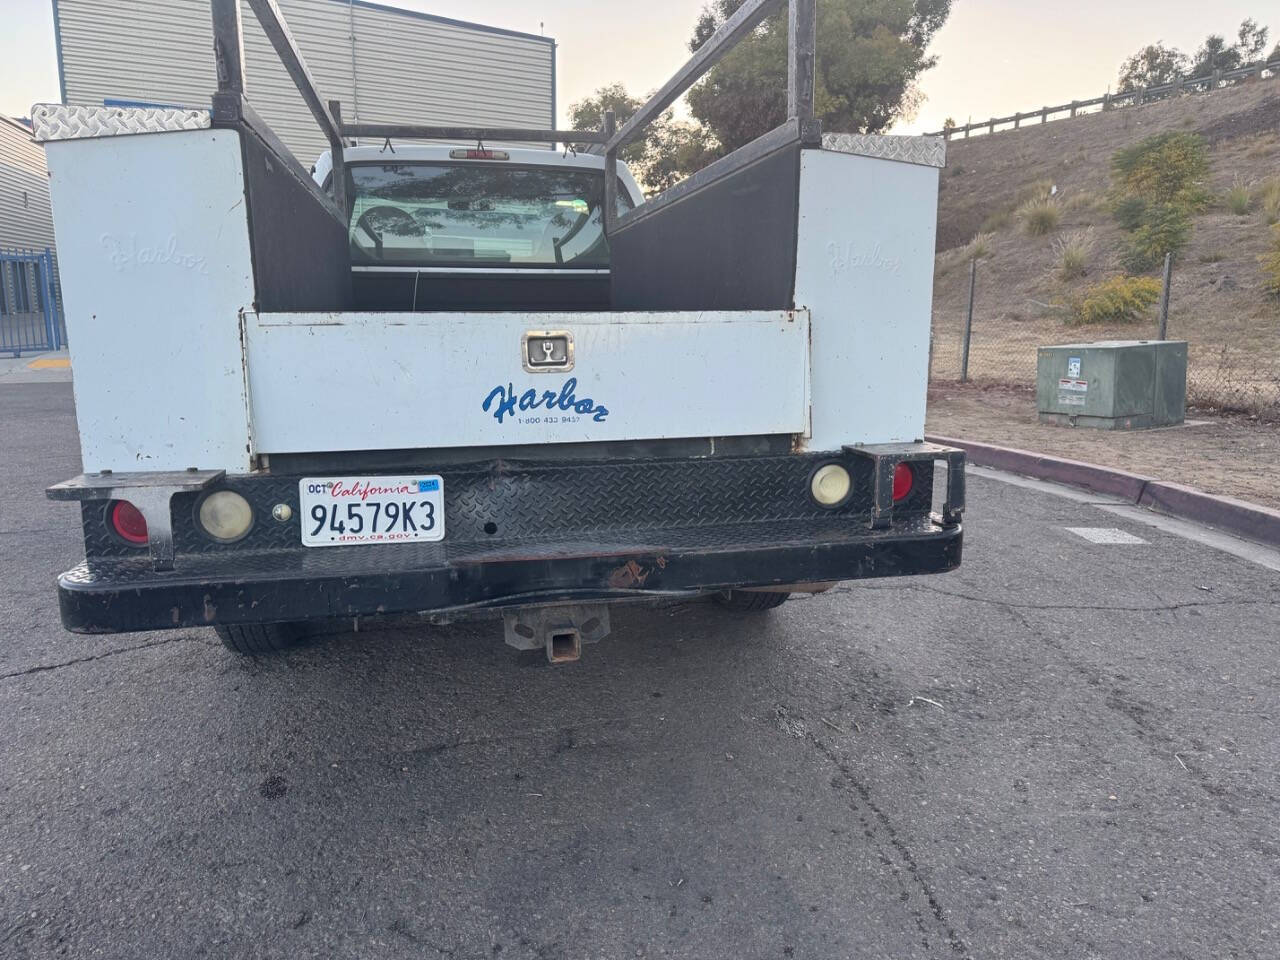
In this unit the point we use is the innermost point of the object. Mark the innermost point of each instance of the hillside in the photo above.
(1218, 300)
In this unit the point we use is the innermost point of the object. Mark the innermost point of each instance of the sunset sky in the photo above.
(995, 56)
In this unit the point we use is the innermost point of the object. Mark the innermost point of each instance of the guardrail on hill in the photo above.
(1111, 101)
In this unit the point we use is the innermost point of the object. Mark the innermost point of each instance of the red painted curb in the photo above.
(1075, 473)
(1246, 520)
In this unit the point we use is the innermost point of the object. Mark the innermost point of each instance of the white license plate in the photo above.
(346, 511)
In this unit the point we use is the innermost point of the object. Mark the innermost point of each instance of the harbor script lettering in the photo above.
(504, 401)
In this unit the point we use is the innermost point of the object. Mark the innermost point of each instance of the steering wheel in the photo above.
(376, 219)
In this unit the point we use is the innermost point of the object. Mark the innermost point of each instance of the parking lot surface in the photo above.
(1066, 749)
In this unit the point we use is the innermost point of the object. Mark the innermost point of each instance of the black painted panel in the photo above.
(498, 292)
(730, 245)
(301, 258)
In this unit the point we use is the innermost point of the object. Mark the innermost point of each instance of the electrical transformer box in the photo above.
(1113, 385)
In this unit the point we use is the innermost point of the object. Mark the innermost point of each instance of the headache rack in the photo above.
(231, 107)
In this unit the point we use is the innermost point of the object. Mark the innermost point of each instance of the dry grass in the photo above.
(1074, 253)
(1239, 198)
(1269, 199)
(1040, 217)
(1262, 146)
(1083, 203)
(1000, 220)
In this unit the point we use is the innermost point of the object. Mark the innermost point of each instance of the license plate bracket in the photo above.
(367, 511)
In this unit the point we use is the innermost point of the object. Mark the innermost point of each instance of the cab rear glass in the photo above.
(478, 214)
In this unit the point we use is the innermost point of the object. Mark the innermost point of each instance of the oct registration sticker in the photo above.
(348, 511)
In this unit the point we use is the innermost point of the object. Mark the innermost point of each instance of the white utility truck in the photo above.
(474, 375)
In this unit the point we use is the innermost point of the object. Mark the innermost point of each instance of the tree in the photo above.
(667, 152)
(1215, 54)
(870, 54)
(1251, 41)
(588, 114)
(1153, 66)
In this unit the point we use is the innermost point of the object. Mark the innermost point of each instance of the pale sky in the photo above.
(996, 56)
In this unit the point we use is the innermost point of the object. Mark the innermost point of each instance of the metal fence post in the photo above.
(1164, 296)
(968, 322)
(47, 305)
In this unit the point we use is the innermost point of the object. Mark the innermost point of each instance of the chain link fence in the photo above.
(1234, 365)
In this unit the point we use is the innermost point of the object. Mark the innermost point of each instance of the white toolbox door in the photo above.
(389, 381)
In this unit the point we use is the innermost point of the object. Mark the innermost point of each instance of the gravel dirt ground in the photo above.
(1063, 750)
(1225, 456)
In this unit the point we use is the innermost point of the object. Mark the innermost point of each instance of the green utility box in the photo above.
(1113, 385)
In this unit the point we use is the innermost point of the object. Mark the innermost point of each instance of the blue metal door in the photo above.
(31, 318)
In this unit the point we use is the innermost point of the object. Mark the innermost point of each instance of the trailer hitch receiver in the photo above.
(560, 630)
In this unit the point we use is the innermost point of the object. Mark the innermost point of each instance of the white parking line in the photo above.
(1105, 535)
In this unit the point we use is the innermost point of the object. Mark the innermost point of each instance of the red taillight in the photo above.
(903, 480)
(128, 523)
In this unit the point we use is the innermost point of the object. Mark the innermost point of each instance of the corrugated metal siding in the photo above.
(25, 218)
(407, 68)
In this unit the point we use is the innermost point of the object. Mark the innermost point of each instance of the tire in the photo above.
(750, 601)
(259, 639)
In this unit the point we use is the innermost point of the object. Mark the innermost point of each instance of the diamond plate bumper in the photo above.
(520, 534)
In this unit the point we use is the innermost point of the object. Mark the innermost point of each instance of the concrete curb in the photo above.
(1246, 520)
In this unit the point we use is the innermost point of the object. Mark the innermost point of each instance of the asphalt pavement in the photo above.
(1066, 749)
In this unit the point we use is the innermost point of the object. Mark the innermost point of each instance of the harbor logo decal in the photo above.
(503, 402)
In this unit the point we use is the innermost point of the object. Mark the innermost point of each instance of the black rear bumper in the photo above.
(518, 534)
(120, 595)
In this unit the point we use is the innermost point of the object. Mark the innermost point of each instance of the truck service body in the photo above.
(425, 379)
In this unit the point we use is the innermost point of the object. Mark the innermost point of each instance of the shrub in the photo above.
(1073, 252)
(1040, 217)
(1212, 256)
(1168, 168)
(1129, 210)
(1117, 300)
(1271, 265)
(1031, 192)
(1165, 229)
(1239, 198)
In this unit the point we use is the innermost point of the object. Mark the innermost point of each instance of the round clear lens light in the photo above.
(831, 485)
(226, 516)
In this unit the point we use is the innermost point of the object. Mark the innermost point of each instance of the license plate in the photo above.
(346, 511)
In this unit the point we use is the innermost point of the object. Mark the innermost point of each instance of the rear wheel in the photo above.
(259, 639)
(750, 601)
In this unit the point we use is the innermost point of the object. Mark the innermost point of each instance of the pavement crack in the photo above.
(900, 847)
(1016, 605)
(46, 667)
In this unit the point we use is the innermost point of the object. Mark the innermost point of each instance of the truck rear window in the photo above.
(474, 214)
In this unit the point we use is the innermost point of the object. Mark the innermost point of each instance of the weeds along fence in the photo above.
(990, 341)
(1112, 101)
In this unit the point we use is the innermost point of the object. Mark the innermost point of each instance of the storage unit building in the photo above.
(27, 271)
(381, 62)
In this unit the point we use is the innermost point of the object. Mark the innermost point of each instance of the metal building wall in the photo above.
(25, 218)
(382, 63)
